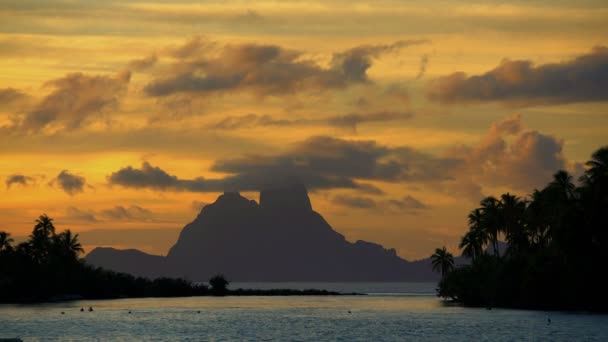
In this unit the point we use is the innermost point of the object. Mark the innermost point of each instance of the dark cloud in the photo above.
(318, 162)
(353, 64)
(253, 120)
(75, 100)
(582, 79)
(351, 121)
(347, 121)
(70, 183)
(142, 63)
(354, 201)
(132, 212)
(408, 203)
(9, 95)
(18, 179)
(80, 215)
(424, 60)
(147, 176)
(203, 68)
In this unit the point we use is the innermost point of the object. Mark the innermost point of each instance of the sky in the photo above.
(122, 119)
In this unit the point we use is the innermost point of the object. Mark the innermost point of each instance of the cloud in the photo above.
(9, 95)
(351, 121)
(121, 213)
(70, 183)
(348, 121)
(319, 162)
(76, 99)
(408, 203)
(80, 215)
(582, 79)
(18, 179)
(354, 63)
(143, 63)
(525, 161)
(354, 201)
(424, 60)
(203, 68)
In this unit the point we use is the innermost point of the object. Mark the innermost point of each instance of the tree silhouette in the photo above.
(490, 221)
(443, 261)
(219, 284)
(597, 167)
(562, 185)
(473, 241)
(40, 240)
(511, 216)
(555, 238)
(5, 242)
(67, 244)
(48, 266)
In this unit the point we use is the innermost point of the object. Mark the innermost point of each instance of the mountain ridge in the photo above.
(280, 239)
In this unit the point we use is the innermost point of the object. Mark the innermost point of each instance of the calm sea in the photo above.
(391, 312)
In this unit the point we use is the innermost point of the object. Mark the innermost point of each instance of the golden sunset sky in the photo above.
(120, 119)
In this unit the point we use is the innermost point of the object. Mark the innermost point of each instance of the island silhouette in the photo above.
(280, 239)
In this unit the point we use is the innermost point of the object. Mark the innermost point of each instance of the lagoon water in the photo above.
(391, 312)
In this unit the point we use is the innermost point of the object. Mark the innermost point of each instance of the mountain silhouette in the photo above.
(280, 239)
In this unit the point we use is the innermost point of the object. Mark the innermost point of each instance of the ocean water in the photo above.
(391, 312)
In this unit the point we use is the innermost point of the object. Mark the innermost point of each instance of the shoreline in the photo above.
(229, 293)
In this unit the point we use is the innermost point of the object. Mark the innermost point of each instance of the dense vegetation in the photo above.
(557, 241)
(47, 267)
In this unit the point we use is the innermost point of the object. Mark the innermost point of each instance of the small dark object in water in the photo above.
(548, 320)
(489, 308)
(199, 311)
(81, 309)
(349, 311)
(129, 311)
(90, 308)
(63, 313)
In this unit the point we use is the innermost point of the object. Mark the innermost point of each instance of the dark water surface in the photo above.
(392, 312)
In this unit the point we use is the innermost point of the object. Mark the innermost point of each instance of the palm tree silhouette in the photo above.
(597, 167)
(473, 241)
(443, 261)
(40, 240)
(512, 210)
(562, 184)
(44, 226)
(491, 221)
(5, 242)
(67, 244)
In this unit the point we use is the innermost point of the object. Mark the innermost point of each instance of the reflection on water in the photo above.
(372, 317)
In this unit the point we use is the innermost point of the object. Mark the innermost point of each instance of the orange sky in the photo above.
(120, 119)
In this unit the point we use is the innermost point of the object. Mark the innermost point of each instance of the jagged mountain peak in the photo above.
(289, 197)
(281, 239)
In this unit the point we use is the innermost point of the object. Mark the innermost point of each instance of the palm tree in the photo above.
(44, 226)
(443, 261)
(562, 184)
(5, 242)
(473, 241)
(40, 240)
(597, 167)
(67, 244)
(490, 221)
(512, 211)
(539, 219)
